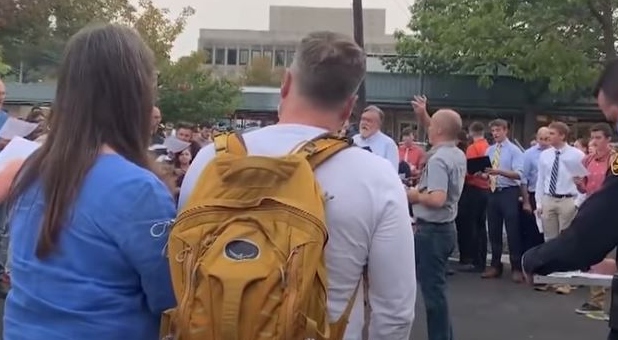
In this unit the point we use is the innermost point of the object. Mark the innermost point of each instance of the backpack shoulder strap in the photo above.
(323, 147)
(231, 142)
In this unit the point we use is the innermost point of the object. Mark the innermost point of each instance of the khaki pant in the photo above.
(558, 213)
(598, 294)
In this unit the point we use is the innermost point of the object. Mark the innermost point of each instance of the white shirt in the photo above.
(368, 223)
(382, 145)
(565, 184)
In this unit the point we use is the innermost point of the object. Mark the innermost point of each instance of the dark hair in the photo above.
(329, 68)
(583, 141)
(608, 82)
(462, 140)
(104, 96)
(407, 131)
(185, 126)
(499, 123)
(176, 159)
(477, 128)
(561, 127)
(604, 128)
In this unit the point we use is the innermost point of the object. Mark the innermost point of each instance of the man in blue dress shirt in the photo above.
(3, 115)
(531, 236)
(372, 139)
(505, 176)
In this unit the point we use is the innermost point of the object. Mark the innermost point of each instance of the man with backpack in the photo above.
(263, 248)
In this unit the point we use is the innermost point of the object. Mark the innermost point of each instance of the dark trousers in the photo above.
(503, 210)
(530, 235)
(471, 226)
(434, 242)
(613, 335)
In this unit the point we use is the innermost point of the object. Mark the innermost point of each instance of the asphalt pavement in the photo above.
(502, 310)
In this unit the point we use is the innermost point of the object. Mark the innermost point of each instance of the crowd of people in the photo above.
(91, 211)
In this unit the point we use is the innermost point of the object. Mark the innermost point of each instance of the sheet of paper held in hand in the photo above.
(175, 145)
(16, 128)
(575, 278)
(17, 148)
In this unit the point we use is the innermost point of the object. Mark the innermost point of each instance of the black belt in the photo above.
(420, 220)
(498, 189)
(561, 196)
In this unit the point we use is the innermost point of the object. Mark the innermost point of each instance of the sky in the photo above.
(253, 14)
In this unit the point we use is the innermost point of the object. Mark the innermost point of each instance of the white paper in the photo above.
(17, 148)
(16, 128)
(175, 145)
(156, 147)
(576, 169)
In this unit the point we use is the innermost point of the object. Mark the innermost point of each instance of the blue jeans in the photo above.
(434, 242)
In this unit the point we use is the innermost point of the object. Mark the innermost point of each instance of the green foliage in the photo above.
(190, 92)
(560, 43)
(261, 73)
(4, 68)
(34, 32)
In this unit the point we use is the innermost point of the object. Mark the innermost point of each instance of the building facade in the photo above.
(229, 52)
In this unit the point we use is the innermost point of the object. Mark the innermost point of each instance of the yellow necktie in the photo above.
(495, 164)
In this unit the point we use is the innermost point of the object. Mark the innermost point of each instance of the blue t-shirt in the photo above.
(109, 277)
(3, 117)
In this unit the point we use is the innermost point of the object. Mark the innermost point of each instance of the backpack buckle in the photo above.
(310, 148)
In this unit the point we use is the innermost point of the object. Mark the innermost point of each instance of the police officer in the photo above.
(593, 233)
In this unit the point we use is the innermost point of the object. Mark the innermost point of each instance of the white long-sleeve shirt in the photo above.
(368, 223)
(382, 145)
(564, 184)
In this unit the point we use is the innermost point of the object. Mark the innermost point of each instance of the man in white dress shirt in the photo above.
(367, 211)
(372, 139)
(556, 192)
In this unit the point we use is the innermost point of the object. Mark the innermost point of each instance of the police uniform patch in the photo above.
(613, 165)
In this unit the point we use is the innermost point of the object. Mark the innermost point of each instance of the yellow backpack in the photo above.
(246, 252)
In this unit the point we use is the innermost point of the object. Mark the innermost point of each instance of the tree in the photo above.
(557, 45)
(157, 29)
(4, 68)
(261, 73)
(189, 91)
(35, 34)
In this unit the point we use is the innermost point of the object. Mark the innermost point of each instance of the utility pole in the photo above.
(357, 14)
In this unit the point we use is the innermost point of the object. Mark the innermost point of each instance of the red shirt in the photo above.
(597, 166)
(414, 156)
(478, 148)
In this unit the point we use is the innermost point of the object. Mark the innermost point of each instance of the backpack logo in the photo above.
(241, 250)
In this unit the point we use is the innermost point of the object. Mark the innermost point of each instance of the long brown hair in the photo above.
(105, 95)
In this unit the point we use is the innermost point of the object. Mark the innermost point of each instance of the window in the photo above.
(232, 56)
(279, 58)
(244, 57)
(256, 54)
(220, 56)
(268, 55)
(207, 54)
(290, 58)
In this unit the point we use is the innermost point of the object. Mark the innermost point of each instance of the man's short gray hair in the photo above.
(329, 68)
(375, 109)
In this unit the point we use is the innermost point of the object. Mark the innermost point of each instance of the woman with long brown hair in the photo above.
(88, 219)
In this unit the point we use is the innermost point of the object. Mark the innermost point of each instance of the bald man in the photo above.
(435, 208)
(531, 236)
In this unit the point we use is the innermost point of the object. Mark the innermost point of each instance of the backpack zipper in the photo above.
(205, 209)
